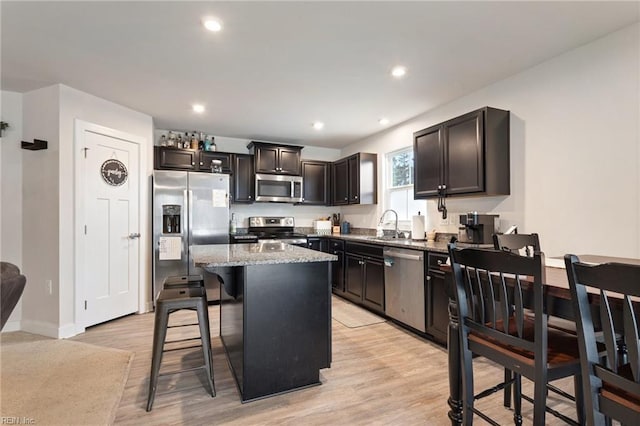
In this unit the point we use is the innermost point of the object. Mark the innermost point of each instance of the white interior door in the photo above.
(109, 272)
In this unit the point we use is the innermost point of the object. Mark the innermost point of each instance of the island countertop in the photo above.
(268, 253)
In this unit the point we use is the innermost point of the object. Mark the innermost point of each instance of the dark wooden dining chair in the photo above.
(514, 243)
(491, 287)
(611, 384)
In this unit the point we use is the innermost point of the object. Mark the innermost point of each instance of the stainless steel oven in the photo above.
(270, 229)
(278, 188)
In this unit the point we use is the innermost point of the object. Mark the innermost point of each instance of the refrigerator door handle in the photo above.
(186, 224)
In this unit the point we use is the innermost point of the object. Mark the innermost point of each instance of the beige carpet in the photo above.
(350, 315)
(47, 381)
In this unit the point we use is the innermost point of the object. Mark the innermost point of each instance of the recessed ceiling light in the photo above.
(318, 125)
(399, 71)
(198, 108)
(383, 121)
(212, 24)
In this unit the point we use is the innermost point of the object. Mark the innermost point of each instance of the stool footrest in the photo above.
(169, 373)
(182, 340)
(182, 348)
(182, 325)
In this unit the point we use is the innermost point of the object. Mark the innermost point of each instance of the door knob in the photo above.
(134, 236)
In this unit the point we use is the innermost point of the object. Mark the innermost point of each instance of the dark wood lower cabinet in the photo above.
(437, 315)
(335, 246)
(364, 275)
(373, 295)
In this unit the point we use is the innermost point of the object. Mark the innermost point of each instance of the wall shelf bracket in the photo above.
(36, 145)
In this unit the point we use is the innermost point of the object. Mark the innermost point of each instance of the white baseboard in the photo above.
(39, 327)
(69, 330)
(12, 326)
(148, 307)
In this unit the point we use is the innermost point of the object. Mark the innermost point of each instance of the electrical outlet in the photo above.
(444, 222)
(49, 284)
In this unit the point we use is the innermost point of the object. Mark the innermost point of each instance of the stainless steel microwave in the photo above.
(278, 188)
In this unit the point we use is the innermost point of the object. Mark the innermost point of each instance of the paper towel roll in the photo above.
(417, 227)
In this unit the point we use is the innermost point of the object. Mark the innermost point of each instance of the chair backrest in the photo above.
(489, 288)
(618, 288)
(530, 243)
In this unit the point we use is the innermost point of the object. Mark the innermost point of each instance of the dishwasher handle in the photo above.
(403, 255)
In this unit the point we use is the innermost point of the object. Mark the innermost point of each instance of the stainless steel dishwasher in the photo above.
(404, 286)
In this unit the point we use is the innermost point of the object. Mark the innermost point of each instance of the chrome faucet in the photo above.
(396, 234)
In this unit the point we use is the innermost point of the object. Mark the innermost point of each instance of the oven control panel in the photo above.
(270, 221)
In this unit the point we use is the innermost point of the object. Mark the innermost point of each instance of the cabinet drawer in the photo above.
(364, 249)
(437, 259)
(336, 245)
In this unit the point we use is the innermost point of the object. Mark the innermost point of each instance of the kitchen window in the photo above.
(399, 185)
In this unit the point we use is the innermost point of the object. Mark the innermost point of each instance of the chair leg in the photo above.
(539, 399)
(517, 399)
(577, 386)
(508, 376)
(205, 337)
(159, 336)
(467, 386)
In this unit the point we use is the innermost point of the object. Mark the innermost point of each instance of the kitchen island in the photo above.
(275, 313)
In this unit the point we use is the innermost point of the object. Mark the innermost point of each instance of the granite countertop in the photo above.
(267, 253)
(437, 246)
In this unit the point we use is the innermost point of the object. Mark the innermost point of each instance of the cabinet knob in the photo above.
(428, 278)
(249, 197)
(355, 196)
(193, 164)
(201, 163)
(345, 198)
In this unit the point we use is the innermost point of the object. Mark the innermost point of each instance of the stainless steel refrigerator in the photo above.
(189, 208)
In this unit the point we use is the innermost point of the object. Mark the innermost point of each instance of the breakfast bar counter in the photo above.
(275, 314)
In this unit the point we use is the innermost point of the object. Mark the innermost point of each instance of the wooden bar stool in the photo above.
(170, 300)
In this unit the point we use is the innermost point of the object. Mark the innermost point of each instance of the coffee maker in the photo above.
(477, 228)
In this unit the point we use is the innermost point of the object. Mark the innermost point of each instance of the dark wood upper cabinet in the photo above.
(315, 182)
(206, 157)
(175, 159)
(276, 159)
(243, 179)
(355, 180)
(168, 158)
(468, 155)
(340, 182)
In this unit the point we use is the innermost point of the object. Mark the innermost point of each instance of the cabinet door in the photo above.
(266, 159)
(427, 157)
(354, 180)
(337, 272)
(176, 159)
(243, 179)
(353, 277)
(315, 180)
(207, 156)
(289, 161)
(437, 306)
(464, 154)
(373, 294)
(340, 184)
(314, 244)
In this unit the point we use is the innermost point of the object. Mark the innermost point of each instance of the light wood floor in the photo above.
(381, 374)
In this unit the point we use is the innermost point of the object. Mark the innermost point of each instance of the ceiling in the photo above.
(276, 67)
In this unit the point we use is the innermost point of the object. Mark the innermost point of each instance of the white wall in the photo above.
(75, 104)
(575, 156)
(11, 191)
(49, 201)
(40, 256)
